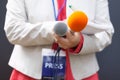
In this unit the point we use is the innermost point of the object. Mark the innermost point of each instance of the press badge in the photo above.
(53, 66)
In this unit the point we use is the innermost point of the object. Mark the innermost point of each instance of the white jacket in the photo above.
(29, 25)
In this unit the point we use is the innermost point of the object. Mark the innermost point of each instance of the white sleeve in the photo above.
(98, 33)
(19, 31)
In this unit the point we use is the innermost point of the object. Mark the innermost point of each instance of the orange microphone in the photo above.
(77, 21)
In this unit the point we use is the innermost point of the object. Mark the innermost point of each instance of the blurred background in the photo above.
(109, 58)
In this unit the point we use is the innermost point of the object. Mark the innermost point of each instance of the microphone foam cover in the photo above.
(77, 21)
(60, 28)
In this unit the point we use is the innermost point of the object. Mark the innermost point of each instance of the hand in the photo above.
(71, 40)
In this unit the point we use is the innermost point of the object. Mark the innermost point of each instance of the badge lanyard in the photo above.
(56, 60)
(59, 11)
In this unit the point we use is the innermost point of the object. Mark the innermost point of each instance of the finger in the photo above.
(77, 33)
(63, 46)
(56, 37)
(69, 34)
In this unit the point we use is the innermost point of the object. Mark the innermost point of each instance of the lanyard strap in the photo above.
(59, 10)
(69, 75)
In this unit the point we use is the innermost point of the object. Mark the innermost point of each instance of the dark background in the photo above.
(109, 58)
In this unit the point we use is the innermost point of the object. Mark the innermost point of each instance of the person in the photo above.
(29, 27)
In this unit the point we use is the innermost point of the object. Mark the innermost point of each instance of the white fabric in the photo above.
(29, 25)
